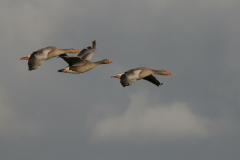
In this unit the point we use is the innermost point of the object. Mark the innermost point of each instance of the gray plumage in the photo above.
(37, 58)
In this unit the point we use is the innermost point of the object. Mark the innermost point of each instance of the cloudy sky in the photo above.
(49, 115)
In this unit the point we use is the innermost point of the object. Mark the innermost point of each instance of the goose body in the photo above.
(82, 62)
(128, 78)
(85, 66)
(37, 57)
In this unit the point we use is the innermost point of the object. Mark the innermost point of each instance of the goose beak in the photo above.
(169, 73)
(116, 76)
(78, 50)
(62, 70)
(25, 58)
(110, 61)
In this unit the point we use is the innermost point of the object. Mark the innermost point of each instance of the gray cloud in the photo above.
(144, 121)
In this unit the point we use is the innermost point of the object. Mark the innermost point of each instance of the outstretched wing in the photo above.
(36, 59)
(87, 54)
(129, 78)
(72, 60)
(126, 81)
(153, 80)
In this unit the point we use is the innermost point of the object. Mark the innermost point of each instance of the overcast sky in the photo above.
(49, 115)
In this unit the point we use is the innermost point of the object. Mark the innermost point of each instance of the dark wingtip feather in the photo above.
(32, 67)
(94, 44)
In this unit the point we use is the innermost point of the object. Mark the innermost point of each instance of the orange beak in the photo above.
(110, 61)
(25, 58)
(62, 70)
(117, 76)
(78, 50)
(169, 73)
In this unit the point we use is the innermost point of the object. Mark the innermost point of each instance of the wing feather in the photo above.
(36, 59)
(153, 80)
(87, 54)
(72, 60)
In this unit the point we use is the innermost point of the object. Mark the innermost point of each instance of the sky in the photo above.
(49, 115)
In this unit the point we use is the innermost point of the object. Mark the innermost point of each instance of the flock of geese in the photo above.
(82, 63)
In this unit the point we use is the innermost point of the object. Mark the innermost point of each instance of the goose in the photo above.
(82, 62)
(128, 78)
(37, 57)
